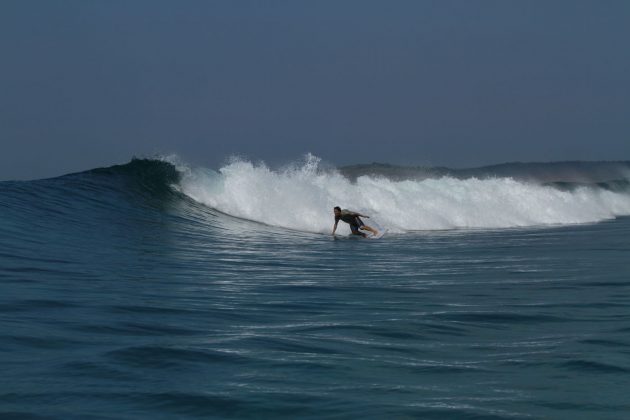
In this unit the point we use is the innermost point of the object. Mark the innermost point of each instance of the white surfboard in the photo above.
(380, 234)
(381, 230)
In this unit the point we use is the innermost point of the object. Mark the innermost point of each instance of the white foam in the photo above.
(302, 197)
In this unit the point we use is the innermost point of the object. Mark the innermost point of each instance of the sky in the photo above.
(465, 83)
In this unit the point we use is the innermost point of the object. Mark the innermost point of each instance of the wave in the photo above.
(577, 172)
(302, 196)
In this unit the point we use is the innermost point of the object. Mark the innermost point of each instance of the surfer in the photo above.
(354, 220)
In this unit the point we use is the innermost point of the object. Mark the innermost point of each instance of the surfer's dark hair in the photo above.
(337, 208)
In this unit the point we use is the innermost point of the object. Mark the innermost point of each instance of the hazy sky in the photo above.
(91, 83)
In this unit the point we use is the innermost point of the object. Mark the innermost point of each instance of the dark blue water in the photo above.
(122, 298)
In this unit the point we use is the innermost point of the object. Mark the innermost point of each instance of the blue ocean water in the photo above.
(150, 290)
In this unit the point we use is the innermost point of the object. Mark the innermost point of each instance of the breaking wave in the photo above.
(302, 196)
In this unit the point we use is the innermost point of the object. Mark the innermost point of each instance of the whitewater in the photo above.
(302, 195)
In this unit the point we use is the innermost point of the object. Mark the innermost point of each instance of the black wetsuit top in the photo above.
(351, 218)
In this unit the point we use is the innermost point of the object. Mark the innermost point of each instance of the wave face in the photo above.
(302, 196)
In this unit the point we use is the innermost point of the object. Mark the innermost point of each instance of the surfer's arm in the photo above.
(355, 214)
(335, 227)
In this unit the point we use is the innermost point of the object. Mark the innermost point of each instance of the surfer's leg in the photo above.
(371, 229)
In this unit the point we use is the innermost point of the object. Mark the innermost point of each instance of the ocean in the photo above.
(155, 289)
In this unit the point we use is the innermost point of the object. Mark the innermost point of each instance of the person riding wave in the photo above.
(354, 220)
